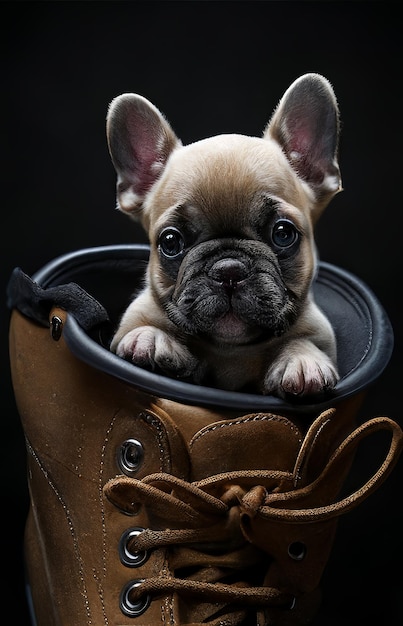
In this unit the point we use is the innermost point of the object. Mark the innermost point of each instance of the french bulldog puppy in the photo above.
(227, 299)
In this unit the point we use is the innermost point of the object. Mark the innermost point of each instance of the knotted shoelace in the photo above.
(202, 522)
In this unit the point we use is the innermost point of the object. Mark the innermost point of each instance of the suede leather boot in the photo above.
(147, 510)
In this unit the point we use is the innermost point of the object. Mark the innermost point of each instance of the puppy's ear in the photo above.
(306, 125)
(140, 141)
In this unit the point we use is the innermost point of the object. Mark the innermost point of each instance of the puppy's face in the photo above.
(232, 251)
(230, 218)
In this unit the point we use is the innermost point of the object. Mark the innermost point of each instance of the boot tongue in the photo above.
(253, 442)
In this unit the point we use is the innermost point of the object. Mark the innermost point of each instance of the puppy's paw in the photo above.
(152, 348)
(307, 373)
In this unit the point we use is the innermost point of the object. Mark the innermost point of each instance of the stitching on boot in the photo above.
(255, 417)
(102, 508)
(70, 524)
(152, 420)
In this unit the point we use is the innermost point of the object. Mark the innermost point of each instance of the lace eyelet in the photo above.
(297, 550)
(130, 456)
(56, 327)
(133, 609)
(128, 558)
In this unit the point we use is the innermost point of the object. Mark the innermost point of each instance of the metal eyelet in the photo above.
(297, 550)
(133, 609)
(128, 558)
(56, 327)
(130, 456)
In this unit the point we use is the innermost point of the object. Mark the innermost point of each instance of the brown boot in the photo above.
(147, 510)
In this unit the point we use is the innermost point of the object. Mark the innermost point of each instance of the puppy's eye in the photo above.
(284, 234)
(171, 242)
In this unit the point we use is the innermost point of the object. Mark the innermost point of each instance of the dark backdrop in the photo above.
(210, 67)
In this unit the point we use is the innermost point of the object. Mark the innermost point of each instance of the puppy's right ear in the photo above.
(140, 141)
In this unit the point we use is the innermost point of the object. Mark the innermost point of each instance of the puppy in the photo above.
(228, 299)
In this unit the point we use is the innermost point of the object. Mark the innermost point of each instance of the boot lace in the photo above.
(206, 524)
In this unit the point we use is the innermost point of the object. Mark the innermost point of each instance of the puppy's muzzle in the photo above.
(222, 281)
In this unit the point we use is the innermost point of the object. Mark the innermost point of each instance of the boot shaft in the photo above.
(131, 493)
(153, 502)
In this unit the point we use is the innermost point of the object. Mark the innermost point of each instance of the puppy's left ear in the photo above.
(306, 125)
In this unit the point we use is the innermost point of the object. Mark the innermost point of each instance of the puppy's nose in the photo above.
(228, 272)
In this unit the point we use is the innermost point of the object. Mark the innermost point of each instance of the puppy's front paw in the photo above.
(303, 373)
(152, 348)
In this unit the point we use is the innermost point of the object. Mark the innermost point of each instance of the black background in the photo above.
(211, 67)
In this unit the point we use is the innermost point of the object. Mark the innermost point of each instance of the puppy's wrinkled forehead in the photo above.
(222, 176)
